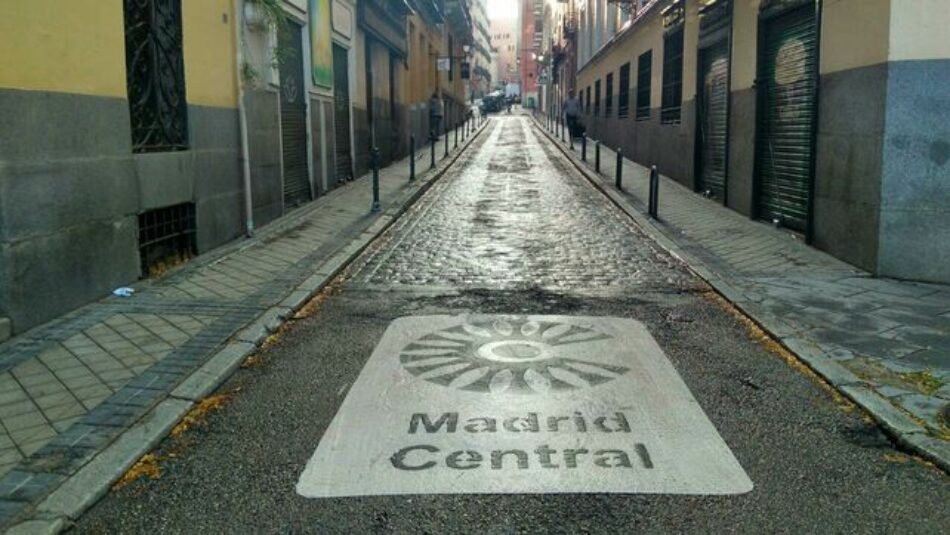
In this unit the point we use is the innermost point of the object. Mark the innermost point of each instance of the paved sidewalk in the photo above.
(884, 343)
(70, 387)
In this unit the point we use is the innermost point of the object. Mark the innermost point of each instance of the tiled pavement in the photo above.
(891, 337)
(70, 387)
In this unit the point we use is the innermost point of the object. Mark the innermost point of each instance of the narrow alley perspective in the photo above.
(474, 266)
(503, 288)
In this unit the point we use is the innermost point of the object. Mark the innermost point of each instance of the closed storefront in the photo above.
(786, 117)
(713, 101)
(293, 118)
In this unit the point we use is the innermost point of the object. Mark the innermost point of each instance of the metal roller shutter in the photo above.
(341, 114)
(786, 119)
(713, 119)
(293, 118)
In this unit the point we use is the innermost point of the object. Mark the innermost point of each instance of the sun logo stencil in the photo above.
(510, 356)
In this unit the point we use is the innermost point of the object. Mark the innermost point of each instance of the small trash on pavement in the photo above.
(124, 291)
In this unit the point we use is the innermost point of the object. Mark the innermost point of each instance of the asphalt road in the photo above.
(513, 231)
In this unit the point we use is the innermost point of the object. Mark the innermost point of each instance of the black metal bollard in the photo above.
(654, 192)
(619, 169)
(597, 156)
(375, 207)
(412, 157)
(456, 135)
(584, 148)
(432, 150)
(445, 132)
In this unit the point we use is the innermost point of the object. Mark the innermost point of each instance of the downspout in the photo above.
(242, 118)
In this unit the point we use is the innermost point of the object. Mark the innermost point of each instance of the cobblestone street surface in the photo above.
(514, 217)
(513, 229)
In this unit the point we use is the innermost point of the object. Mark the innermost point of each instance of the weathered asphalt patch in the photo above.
(519, 404)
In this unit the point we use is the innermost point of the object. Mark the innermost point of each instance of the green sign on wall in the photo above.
(321, 44)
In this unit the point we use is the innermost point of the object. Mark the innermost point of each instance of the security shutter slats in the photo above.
(341, 114)
(293, 119)
(714, 119)
(784, 146)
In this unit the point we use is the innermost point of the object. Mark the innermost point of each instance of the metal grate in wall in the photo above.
(166, 237)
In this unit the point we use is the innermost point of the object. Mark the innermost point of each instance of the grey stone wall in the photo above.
(848, 164)
(740, 174)
(71, 189)
(915, 190)
(263, 134)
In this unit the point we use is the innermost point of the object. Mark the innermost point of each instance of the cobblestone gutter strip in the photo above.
(66, 477)
(905, 431)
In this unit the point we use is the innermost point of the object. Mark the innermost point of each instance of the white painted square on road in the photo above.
(519, 404)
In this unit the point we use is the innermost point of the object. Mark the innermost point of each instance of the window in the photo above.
(644, 74)
(672, 77)
(155, 75)
(623, 92)
(588, 100)
(597, 97)
(609, 95)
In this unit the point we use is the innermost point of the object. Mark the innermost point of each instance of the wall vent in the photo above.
(166, 238)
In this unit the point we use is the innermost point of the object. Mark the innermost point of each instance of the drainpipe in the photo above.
(242, 117)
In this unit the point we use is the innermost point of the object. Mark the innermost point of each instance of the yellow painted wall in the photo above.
(78, 46)
(647, 34)
(919, 30)
(208, 27)
(745, 17)
(74, 46)
(854, 33)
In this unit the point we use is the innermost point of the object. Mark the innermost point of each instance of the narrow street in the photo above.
(512, 244)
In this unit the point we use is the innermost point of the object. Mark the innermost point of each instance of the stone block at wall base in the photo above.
(6, 330)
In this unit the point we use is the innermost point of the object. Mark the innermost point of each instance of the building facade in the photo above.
(138, 134)
(826, 118)
(506, 42)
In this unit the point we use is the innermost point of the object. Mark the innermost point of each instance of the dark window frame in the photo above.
(155, 75)
(672, 97)
(597, 98)
(609, 94)
(644, 82)
(587, 109)
(623, 92)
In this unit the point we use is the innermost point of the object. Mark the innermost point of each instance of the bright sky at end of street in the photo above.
(502, 9)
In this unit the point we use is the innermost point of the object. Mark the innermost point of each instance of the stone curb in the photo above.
(906, 432)
(84, 488)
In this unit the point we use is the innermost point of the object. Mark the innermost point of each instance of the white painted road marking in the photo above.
(519, 404)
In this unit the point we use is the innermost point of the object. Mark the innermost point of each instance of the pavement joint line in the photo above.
(83, 488)
(918, 440)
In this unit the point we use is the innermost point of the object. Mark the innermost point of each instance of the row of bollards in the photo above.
(467, 127)
(556, 127)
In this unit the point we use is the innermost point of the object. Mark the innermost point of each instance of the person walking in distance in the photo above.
(435, 115)
(571, 110)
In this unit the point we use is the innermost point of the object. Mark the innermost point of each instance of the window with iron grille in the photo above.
(623, 92)
(609, 95)
(672, 77)
(597, 97)
(644, 74)
(155, 75)
(588, 100)
(166, 237)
